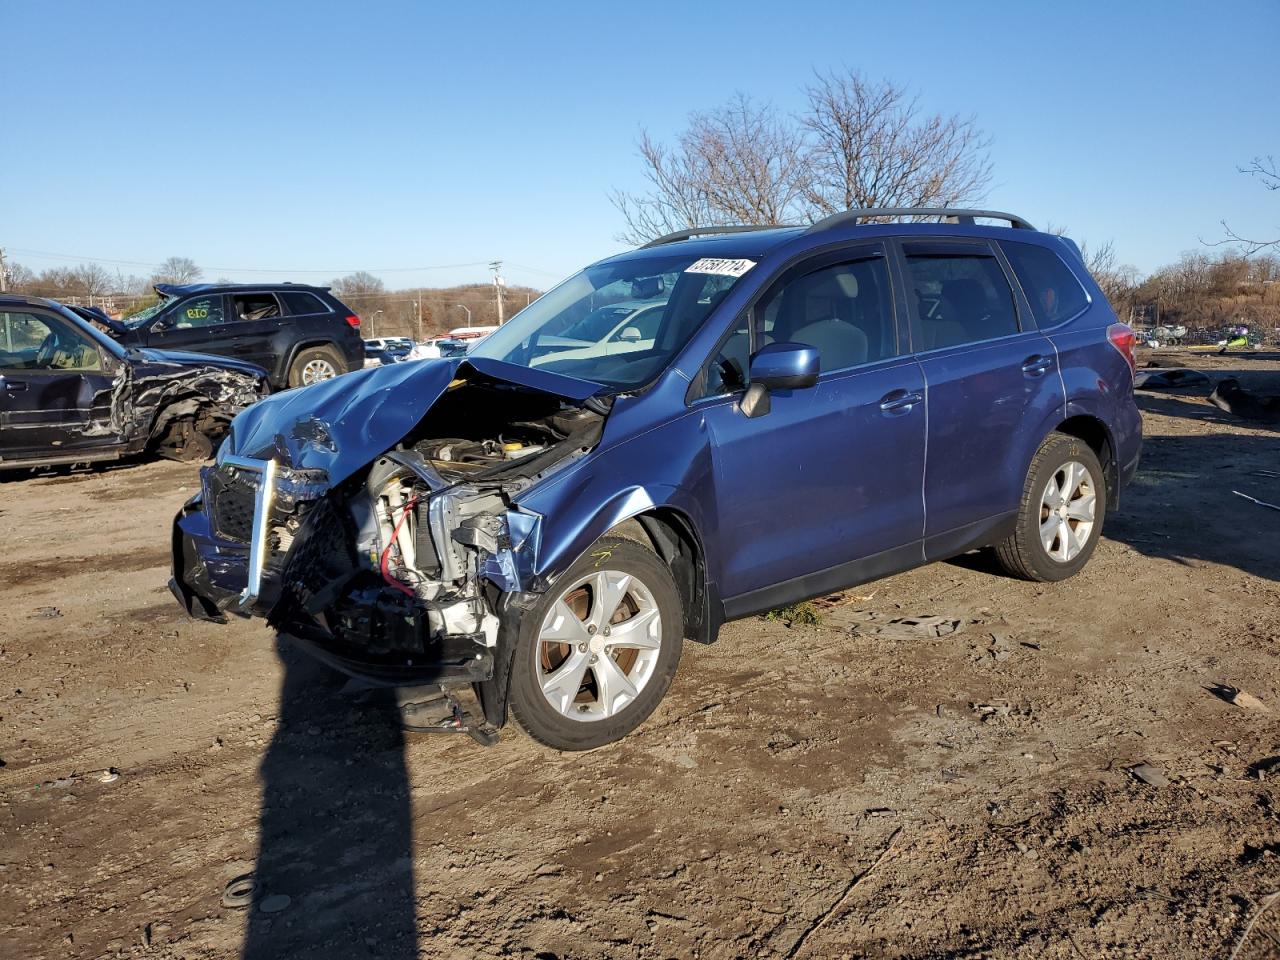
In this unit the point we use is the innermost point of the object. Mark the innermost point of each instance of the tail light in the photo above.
(353, 321)
(1124, 339)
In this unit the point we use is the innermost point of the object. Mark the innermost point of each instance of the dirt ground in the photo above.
(866, 787)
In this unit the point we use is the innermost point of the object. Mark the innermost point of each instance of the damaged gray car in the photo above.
(70, 394)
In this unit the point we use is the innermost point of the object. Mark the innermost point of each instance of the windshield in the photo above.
(574, 329)
(142, 316)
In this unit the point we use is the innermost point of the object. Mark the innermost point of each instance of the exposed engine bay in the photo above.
(404, 563)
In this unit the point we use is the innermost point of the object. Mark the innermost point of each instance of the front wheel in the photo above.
(595, 656)
(314, 365)
(1060, 518)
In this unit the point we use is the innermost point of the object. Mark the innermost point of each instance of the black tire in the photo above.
(1023, 554)
(326, 355)
(530, 706)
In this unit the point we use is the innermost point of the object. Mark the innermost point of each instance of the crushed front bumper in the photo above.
(213, 575)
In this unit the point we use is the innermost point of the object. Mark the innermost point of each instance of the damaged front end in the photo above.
(400, 571)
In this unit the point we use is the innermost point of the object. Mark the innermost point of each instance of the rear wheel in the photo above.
(596, 655)
(1060, 519)
(315, 364)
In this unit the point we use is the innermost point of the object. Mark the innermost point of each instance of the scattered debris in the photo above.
(930, 626)
(1260, 768)
(1149, 775)
(1267, 902)
(46, 613)
(1168, 377)
(1228, 395)
(110, 775)
(240, 891)
(686, 761)
(1237, 697)
(1261, 503)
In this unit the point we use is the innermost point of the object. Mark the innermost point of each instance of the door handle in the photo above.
(14, 386)
(898, 402)
(1037, 366)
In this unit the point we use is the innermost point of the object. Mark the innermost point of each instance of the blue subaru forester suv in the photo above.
(547, 519)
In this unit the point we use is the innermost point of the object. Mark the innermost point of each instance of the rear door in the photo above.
(55, 388)
(256, 322)
(991, 380)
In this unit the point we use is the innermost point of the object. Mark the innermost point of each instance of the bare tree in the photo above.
(21, 278)
(859, 144)
(1265, 170)
(360, 283)
(869, 146)
(364, 293)
(93, 281)
(177, 270)
(740, 163)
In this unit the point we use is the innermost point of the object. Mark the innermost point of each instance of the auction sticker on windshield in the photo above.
(719, 267)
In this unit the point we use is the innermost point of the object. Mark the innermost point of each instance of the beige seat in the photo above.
(840, 344)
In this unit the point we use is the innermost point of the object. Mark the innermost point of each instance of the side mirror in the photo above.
(779, 366)
(630, 334)
(160, 326)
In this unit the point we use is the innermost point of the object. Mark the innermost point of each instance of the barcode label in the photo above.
(722, 268)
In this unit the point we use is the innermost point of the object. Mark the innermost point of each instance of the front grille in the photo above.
(320, 558)
(231, 502)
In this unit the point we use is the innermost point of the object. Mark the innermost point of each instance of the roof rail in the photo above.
(954, 214)
(704, 231)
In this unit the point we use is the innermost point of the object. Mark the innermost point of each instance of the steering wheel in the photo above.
(731, 374)
(49, 348)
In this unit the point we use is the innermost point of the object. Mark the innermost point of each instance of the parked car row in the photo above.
(716, 424)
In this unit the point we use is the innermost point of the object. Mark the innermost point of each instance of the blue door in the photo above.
(992, 384)
(825, 489)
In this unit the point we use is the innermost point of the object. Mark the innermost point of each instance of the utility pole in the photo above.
(498, 283)
(468, 309)
(418, 338)
(4, 273)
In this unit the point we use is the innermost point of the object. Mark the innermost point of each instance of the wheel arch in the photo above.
(665, 528)
(671, 534)
(1095, 434)
(309, 343)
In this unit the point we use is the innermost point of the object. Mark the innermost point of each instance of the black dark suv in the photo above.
(300, 334)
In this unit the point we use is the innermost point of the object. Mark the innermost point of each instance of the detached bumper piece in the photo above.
(443, 713)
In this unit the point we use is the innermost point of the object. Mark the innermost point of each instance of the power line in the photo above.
(77, 258)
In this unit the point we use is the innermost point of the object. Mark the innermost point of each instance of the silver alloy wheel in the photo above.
(313, 371)
(1068, 508)
(598, 645)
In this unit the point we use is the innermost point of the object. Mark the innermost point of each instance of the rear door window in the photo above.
(301, 303)
(255, 306)
(960, 292)
(1051, 288)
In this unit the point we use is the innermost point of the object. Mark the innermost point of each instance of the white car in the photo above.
(625, 327)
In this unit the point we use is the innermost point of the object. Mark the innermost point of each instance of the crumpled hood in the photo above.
(340, 425)
(181, 358)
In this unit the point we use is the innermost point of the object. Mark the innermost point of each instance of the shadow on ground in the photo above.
(1184, 480)
(335, 833)
(1181, 482)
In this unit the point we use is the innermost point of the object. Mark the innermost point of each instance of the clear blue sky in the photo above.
(305, 136)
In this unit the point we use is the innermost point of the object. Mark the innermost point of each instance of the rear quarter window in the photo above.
(299, 302)
(1052, 289)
